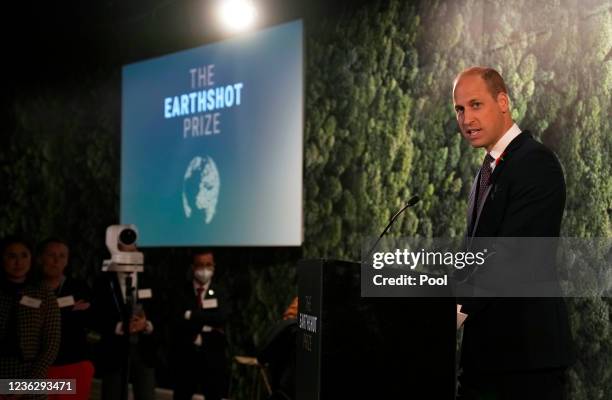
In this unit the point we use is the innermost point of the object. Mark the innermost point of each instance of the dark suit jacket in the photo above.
(74, 347)
(108, 308)
(526, 198)
(185, 331)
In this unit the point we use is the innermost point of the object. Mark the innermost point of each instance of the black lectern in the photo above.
(351, 347)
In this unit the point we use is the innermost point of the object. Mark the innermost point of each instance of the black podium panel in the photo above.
(351, 347)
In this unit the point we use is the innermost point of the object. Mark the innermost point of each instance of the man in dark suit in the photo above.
(199, 333)
(513, 348)
(126, 349)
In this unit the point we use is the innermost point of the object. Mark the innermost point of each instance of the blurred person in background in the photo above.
(200, 361)
(278, 354)
(73, 299)
(29, 317)
(126, 353)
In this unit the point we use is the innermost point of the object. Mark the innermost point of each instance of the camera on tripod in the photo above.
(121, 260)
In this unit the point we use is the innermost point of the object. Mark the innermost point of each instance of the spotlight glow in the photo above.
(237, 15)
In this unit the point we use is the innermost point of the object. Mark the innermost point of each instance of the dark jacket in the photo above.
(526, 199)
(108, 309)
(185, 331)
(74, 347)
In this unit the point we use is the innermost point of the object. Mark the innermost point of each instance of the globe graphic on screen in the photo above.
(201, 186)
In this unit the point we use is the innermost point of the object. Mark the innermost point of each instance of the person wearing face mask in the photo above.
(200, 362)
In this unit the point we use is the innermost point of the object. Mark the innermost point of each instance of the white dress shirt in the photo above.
(503, 142)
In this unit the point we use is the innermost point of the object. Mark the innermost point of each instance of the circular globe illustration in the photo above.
(201, 186)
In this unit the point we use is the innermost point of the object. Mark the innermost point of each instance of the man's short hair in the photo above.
(42, 246)
(494, 81)
(201, 250)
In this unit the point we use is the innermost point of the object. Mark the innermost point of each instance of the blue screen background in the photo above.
(258, 152)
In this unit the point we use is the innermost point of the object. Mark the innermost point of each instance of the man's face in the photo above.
(479, 115)
(54, 259)
(203, 261)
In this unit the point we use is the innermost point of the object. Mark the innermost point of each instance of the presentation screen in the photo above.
(211, 149)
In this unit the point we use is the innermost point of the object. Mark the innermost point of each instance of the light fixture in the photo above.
(237, 15)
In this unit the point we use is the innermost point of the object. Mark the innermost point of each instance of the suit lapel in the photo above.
(480, 207)
(512, 146)
(117, 294)
(192, 299)
(471, 204)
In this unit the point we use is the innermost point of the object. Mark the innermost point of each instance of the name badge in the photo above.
(145, 293)
(30, 302)
(65, 301)
(210, 303)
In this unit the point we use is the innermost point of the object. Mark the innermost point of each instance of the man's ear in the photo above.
(504, 102)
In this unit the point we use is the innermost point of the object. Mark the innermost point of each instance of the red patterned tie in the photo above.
(485, 179)
(200, 290)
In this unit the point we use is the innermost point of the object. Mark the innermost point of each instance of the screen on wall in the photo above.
(211, 149)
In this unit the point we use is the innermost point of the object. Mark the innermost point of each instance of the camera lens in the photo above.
(127, 236)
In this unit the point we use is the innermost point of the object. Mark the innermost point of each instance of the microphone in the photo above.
(413, 200)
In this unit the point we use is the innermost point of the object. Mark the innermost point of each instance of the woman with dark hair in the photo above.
(29, 316)
(73, 299)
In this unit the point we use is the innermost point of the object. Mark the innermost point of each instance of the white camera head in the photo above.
(121, 260)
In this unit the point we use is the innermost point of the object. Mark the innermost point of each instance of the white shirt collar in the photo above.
(503, 142)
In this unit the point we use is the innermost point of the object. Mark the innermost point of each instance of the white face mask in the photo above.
(203, 274)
